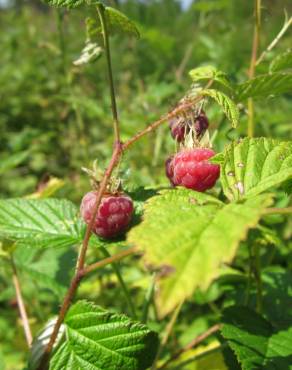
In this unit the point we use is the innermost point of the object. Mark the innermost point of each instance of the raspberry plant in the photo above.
(191, 241)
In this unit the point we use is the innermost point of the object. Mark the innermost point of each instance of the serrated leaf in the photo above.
(282, 61)
(40, 223)
(205, 73)
(117, 23)
(256, 343)
(229, 107)
(98, 339)
(69, 4)
(253, 166)
(189, 235)
(265, 85)
(120, 23)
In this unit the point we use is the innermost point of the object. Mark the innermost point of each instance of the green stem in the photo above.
(126, 292)
(253, 60)
(103, 22)
(148, 300)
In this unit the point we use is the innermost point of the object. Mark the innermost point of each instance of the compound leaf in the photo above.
(189, 235)
(98, 339)
(256, 343)
(40, 223)
(265, 85)
(253, 166)
(207, 73)
(117, 23)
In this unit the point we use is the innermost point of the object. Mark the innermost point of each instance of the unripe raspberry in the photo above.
(192, 170)
(181, 127)
(113, 216)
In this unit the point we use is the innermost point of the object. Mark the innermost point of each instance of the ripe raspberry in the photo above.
(113, 216)
(169, 169)
(192, 170)
(180, 127)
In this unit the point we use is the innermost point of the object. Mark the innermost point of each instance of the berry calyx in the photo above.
(180, 127)
(113, 216)
(192, 170)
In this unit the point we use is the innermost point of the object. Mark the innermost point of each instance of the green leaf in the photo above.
(98, 339)
(253, 166)
(265, 85)
(69, 4)
(229, 107)
(189, 235)
(120, 23)
(206, 73)
(117, 23)
(49, 269)
(282, 61)
(40, 223)
(256, 343)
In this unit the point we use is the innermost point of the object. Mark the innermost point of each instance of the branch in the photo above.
(21, 305)
(200, 338)
(166, 117)
(285, 27)
(109, 260)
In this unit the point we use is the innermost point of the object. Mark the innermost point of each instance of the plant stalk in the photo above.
(21, 305)
(200, 338)
(251, 72)
(103, 22)
(124, 287)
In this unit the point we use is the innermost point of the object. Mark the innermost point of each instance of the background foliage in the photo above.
(54, 119)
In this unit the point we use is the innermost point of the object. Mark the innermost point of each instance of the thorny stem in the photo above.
(200, 338)
(21, 305)
(125, 290)
(251, 72)
(102, 17)
(79, 273)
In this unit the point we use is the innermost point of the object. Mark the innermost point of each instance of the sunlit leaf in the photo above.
(188, 236)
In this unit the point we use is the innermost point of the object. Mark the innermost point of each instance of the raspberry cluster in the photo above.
(190, 166)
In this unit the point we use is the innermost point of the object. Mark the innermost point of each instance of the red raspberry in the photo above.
(113, 216)
(192, 170)
(169, 169)
(180, 128)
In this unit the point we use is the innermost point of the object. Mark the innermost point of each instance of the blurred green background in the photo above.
(55, 117)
